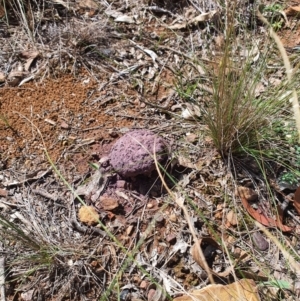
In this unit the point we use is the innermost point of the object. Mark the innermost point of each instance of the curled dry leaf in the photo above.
(242, 290)
(30, 56)
(210, 243)
(246, 194)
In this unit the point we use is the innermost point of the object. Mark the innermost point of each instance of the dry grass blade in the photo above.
(289, 71)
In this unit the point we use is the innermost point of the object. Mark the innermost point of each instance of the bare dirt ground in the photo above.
(94, 74)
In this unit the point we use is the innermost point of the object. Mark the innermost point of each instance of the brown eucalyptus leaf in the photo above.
(242, 290)
(260, 216)
(257, 215)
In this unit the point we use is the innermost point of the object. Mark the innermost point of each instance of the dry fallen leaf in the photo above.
(259, 214)
(242, 290)
(293, 11)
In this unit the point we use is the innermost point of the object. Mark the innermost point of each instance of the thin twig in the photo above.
(2, 278)
(45, 194)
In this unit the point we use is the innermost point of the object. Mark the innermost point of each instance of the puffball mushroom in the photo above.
(132, 154)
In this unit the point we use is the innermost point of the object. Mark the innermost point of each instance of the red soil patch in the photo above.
(72, 116)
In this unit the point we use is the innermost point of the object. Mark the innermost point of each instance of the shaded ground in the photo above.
(77, 115)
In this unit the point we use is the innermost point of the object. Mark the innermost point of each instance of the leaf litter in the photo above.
(127, 85)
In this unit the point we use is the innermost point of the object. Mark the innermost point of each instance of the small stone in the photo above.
(260, 242)
(150, 205)
(108, 203)
(88, 215)
(64, 125)
(144, 284)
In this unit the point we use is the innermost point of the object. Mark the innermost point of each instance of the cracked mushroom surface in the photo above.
(132, 154)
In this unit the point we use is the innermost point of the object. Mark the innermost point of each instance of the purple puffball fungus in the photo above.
(132, 154)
